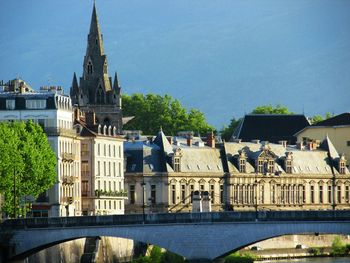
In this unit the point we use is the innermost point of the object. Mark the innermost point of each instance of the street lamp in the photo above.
(143, 199)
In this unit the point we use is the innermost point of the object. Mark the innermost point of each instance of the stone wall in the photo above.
(290, 241)
(111, 249)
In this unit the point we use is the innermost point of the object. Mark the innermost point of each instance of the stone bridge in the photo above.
(199, 237)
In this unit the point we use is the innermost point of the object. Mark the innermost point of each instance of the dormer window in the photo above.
(271, 166)
(177, 160)
(289, 162)
(260, 166)
(177, 164)
(242, 162)
(342, 164)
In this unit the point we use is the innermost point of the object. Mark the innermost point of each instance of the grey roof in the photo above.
(143, 157)
(200, 159)
(304, 161)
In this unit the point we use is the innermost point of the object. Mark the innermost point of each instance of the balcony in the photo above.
(69, 180)
(71, 157)
(100, 193)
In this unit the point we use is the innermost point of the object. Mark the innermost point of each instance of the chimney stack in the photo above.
(76, 114)
(211, 139)
(189, 140)
(300, 146)
(90, 118)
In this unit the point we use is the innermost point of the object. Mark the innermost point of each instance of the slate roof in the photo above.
(339, 120)
(270, 127)
(304, 161)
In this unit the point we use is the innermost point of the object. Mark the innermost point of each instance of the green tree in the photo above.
(317, 118)
(27, 166)
(338, 248)
(269, 109)
(154, 111)
(227, 131)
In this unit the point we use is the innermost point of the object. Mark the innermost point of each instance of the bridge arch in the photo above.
(193, 241)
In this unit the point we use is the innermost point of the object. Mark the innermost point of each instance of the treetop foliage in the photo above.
(153, 111)
(27, 160)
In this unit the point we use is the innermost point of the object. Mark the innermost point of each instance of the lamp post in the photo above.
(143, 200)
(256, 196)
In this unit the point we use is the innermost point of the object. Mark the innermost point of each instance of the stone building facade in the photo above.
(95, 91)
(102, 169)
(53, 111)
(162, 175)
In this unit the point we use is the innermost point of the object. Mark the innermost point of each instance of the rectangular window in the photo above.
(221, 194)
(35, 104)
(329, 194)
(348, 143)
(191, 192)
(183, 193)
(98, 149)
(10, 104)
(98, 168)
(242, 165)
(84, 168)
(109, 169)
(177, 164)
(153, 194)
(260, 166)
(109, 150)
(84, 188)
(321, 194)
(173, 194)
(114, 150)
(304, 196)
(312, 194)
(347, 193)
(271, 166)
(120, 169)
(132, 194)
(338, 194)
(212, 193)
(104, 169)
(120, 152)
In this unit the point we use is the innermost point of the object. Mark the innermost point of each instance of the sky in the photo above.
(223, 57)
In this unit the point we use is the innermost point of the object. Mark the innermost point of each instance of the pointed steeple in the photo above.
(95, 36)
(74, 90)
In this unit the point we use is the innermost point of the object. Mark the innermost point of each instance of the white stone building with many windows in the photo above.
(53, 111)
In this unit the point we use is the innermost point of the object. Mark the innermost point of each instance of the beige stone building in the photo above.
(267, 176)
(163, 173)
(102, 172)
(336, 128)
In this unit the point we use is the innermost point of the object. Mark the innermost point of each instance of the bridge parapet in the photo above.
(176, 218)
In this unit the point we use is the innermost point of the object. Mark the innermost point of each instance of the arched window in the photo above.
(99, 97)
(89, 68)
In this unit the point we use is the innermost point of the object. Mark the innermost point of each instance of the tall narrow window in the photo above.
(303, 195)
(329, 194)
(273, 194)
(132, 194)
(177, 164)
(212, 193)
(183, 193)
(191, 192)
(173, 194)
(320, 191)
(347, 193)
(342, 167)
(260, 166)
(312, 194)
(221, 194)
(153, 194)
(338, 194)
(242, 167)
(89, 68)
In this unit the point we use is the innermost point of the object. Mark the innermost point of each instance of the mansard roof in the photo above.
(318, 161)
(270, 127)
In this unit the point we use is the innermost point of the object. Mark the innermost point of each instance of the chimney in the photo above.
(211, 140)
(283, 143)
(90, 118)
(189, 140)
(76, 114)
(300, 146)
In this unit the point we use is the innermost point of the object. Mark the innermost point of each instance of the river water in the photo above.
(314, 260)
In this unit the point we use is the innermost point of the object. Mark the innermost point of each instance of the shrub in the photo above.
(237, 258)
(338, 248)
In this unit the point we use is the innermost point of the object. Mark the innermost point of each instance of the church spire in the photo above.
(74, 90)
(95, 36)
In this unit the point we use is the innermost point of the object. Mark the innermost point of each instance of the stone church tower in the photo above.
(95, 91)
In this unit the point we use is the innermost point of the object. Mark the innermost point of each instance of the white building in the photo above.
(53, 111)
